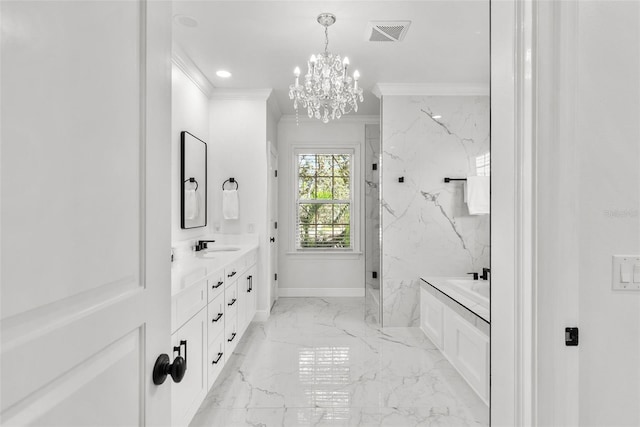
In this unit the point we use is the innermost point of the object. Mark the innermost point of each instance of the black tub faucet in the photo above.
(485, 273)
(202, 244)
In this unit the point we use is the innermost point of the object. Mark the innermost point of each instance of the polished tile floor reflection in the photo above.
(316, 362)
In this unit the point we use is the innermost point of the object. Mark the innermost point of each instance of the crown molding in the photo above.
(241, 94)
(429, 89)
(369, 119)
(181, 60)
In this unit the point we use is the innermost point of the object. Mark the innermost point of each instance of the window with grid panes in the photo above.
(324, 201)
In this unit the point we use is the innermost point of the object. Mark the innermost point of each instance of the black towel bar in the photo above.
(454, 179)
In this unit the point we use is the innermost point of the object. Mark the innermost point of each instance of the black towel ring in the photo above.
(194, 181)
(231, 180)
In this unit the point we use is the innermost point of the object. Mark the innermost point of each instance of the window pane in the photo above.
(341, 214)
(341, 190)
(341, 165)
(307, 164)
(324, 189)
(325, 164)
(306, 187)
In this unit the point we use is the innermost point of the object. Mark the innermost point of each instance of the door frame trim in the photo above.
(513, 221)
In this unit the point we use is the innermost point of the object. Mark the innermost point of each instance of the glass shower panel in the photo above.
(372, 225)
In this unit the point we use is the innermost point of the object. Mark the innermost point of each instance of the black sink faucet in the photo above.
(202, 244)
(485, 273)
(475, 275)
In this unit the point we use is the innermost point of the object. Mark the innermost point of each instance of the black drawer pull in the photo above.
(233, 273)
(218, 359)
(233, 301)
(216, 286)
(217, 318)
(233, 335)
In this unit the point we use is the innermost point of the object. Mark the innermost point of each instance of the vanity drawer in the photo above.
(231, 301)
(187, 303)
(231, 336)
(216, 283)
(216, 358)
(232, 271)
(216, 317)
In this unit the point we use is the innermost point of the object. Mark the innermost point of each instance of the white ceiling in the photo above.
(261, 42)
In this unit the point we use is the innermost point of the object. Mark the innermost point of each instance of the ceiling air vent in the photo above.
(387, 31)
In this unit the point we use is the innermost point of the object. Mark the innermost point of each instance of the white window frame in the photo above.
(356, 201)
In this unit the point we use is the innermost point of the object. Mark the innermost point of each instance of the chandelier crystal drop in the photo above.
(328, 92)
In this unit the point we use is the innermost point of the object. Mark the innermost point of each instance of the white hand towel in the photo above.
(230, 204)
(477, 194)
(191, 204)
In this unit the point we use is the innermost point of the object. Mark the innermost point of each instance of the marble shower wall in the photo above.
(372, 223)
(426, 227)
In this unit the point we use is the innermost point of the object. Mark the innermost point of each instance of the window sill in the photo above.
(325, 254)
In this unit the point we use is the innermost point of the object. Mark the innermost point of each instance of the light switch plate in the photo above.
(622, 273)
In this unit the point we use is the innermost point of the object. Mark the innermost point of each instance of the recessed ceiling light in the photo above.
(186, 21)
(437, 116)
(223, 73)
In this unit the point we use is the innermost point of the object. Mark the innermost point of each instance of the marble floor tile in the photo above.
(316, 362)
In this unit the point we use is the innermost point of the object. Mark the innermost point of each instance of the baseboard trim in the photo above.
(320, 292)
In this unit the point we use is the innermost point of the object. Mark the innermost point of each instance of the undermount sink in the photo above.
(207, 255)
(223, 249)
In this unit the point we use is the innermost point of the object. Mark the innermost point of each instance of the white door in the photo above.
(273, 223)
(85, 212)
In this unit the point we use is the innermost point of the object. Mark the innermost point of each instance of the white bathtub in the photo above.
(472, 294)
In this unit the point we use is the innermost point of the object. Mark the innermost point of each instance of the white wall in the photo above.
(189, 112)
(238, 136)
(426, 226)
(315, 274)
(588, 210)
(608, 132)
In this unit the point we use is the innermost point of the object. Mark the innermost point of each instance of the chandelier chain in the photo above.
(326, 39)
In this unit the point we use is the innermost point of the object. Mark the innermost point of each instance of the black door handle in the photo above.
(216, 286)
(273, 239)
(162, 368)
(233, 335)
(217, 318)
(233, 301)
(218, 359)
(233, 273)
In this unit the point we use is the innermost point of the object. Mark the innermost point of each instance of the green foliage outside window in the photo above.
(324, 194)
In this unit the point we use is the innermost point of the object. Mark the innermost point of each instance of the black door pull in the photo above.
(218, 359)
(217, 318)
(272, 240)
(216, 286)
(233, 335)
(233, 301)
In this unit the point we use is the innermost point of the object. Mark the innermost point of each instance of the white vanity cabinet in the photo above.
(210, 314)
(189, 342)
(247, 294)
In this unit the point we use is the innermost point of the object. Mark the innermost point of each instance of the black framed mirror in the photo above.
(193, 178)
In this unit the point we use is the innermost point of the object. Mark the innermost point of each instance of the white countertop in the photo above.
(465, 291)
(194, 266)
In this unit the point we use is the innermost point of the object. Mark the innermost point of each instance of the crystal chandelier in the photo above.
(328, 92)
